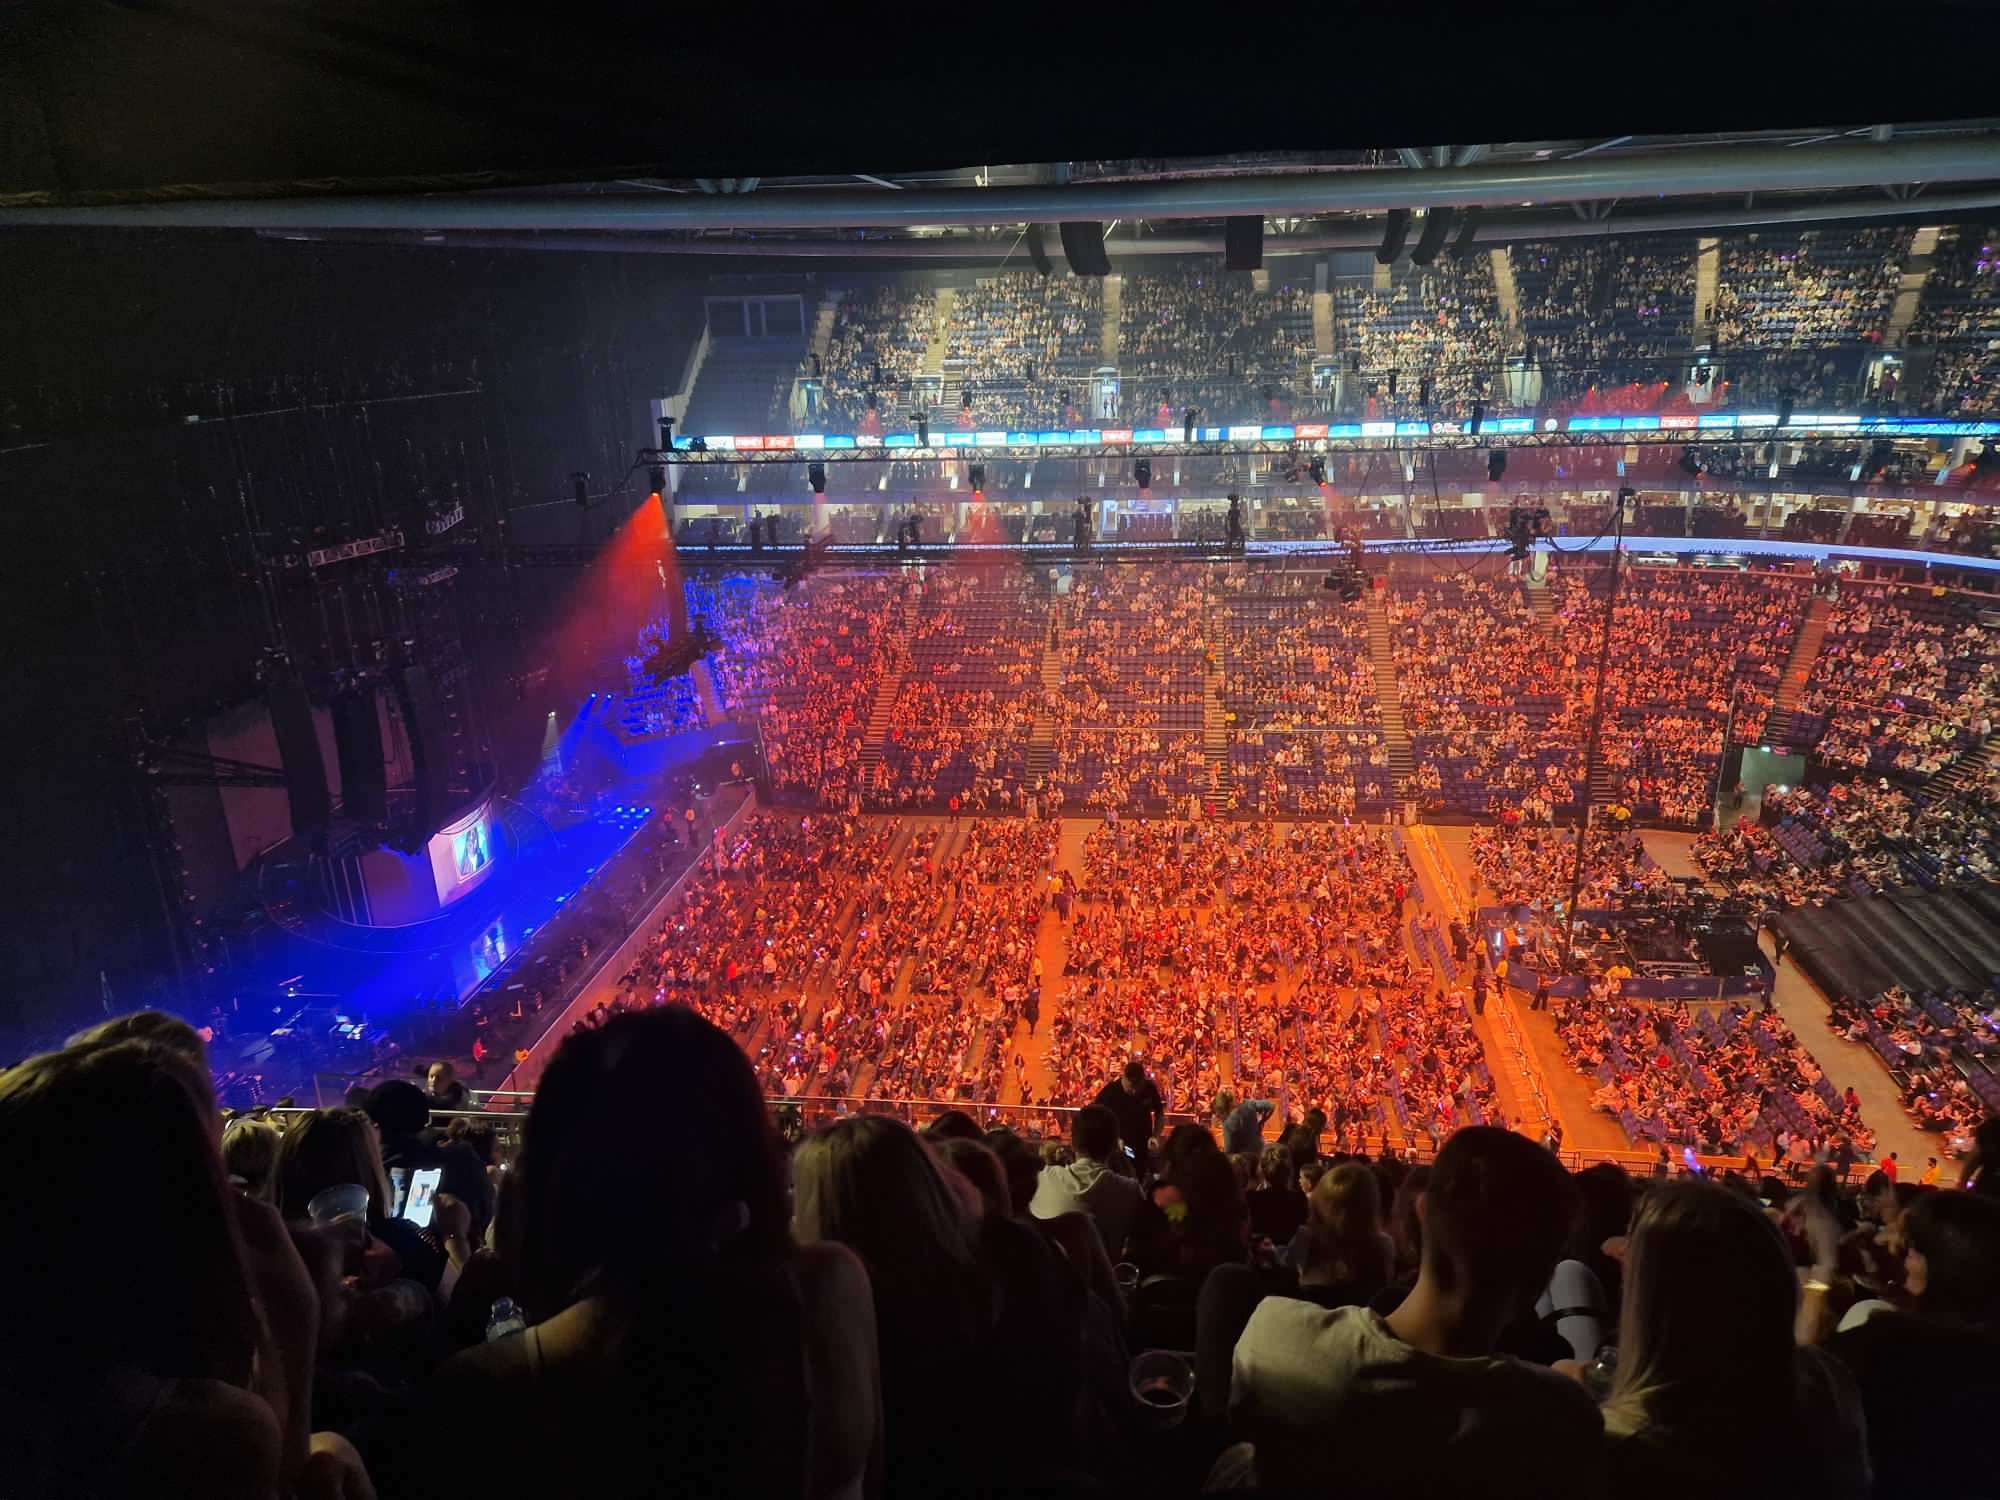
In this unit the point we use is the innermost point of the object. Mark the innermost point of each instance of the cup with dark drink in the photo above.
(1162, 1383)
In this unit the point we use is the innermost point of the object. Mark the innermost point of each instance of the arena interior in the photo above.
(697, 813)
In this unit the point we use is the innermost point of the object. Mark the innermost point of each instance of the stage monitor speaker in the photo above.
(357, 740)
(1037, 251)
(1243, 243)
(423, 721)
(299, 755)
(1083, 248)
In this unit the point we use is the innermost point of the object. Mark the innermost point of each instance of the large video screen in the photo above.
(462, 855)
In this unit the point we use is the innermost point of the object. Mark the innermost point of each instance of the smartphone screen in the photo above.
(423, 1191)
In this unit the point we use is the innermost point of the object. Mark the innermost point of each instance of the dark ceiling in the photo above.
(127, 98)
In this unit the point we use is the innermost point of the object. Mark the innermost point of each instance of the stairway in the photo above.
(1964, 773)
(1603, 785)
(1503, 286)
(1389, 699)
(894, 670)
(823, 321)
(1707, 276)
(1541, 599)
(1323, 324)
(940, 344)
(1805, 651)
(1916, 271)
(1042, 738)
(1114, 311)
(1214, 722)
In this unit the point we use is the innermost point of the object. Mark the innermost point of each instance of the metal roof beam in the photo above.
(1703, 171)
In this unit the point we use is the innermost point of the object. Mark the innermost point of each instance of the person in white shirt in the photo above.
(1346, 1401)
(1089, 1184)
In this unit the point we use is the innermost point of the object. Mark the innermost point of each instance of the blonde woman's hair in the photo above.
(1706, 1329)
(1224, 1105)
(1276, 1167)
(250, 1154)
(1345, 1240)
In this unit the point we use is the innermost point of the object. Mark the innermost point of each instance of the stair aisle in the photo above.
(1707, 275)
(1114, 304)
(1042, 738)
(1389, 701)
(1543, 603)
(1503, 287)
(1805, 651)
(1916, 271)
(880, 711)
(1214, 725)
(1968, 770)
(940, 344)
(1323, 324)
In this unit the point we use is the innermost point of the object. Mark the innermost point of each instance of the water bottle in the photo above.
(506, 1320)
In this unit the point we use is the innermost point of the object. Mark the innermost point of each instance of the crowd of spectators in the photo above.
(806, 662)
(1199, 336)
(1278, 954)
(1730, 1081)
(1686, 641)
(1905, 682)
(1824, 289)
(1019, 341)
(876, 349)
(1606, 313)
(1440, 323)
(671, 1286)
(1958, 314)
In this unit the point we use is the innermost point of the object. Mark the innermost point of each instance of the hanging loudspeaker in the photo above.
(1243, 243)
(299, 755)
(357, 741)
(1037, 251)
(1083, 248)
(424, 724)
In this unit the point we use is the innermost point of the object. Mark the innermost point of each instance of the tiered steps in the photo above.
(1323, 324)
(822, 334)
(1214, 726)
(940, 344)
(1389, 700)
(877, 732)
(1707, 277)
(1542, 602)
(1916, 271)
(1503, 287)
(1042, 738)
(1805, 651)
(1114, 304)
(1968, 770)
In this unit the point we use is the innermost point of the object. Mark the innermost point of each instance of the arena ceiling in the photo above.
(874, 136)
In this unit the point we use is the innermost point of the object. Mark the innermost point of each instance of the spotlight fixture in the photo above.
(656, 475)
(1496, 464)
(579, 486)
(975, 475)
(1142, 470)
(1317, 469)
(698, 445)
(816, 476)
(667, 432)
(1478, 418)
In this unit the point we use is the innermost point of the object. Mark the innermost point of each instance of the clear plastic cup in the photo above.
(1162, 1385)
(337, 1205)
(1128, 1277)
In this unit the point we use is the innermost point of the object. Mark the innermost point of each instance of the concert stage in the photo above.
(1695, 950)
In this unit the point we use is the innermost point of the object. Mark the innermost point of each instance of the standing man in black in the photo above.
(1135, 1103)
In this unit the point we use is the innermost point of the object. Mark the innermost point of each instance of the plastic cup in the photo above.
(337, 1205)
(1162, 1384)
(1128, 1277)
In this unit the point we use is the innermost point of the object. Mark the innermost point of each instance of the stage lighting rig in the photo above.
(1524, 526)
(667, 434)
(656, 476)
(1317, 470)
(816, 476)
(1235, 520)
